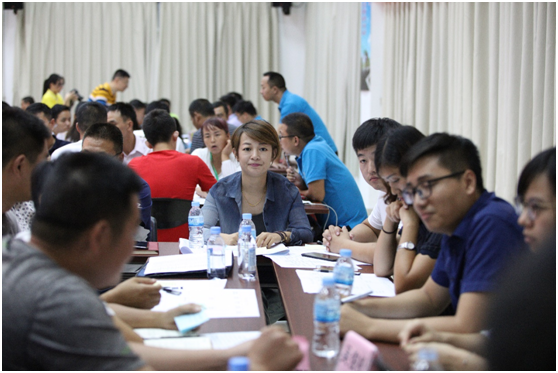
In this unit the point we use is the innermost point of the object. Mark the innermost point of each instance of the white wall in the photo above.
(8, 50)
(292, 47)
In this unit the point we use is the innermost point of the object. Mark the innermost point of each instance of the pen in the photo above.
(171, 290)
(356, 297)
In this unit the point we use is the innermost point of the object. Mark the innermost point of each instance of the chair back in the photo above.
(170, 212)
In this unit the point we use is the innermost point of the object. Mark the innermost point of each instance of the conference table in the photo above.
(298, 305)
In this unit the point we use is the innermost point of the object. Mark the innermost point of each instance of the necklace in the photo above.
(246, 198)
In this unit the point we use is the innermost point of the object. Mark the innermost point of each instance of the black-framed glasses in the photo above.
(424, 188)
(283, 137)
(533, 208)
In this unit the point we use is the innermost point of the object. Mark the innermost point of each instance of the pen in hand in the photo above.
(171, 290)
(356, 297)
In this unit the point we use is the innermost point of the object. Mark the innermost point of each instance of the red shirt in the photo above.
(171, 174)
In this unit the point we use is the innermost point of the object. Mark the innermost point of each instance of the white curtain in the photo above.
(209, 49)
(485, 71)
(332, 73)
(85, 43)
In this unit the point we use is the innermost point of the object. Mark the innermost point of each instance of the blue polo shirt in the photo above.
(291, 103)
(318, 162)
(486, 238)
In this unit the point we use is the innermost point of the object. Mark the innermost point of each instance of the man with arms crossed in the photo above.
(480, 231)
(52, 316)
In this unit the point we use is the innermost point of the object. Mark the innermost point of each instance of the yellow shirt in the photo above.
(103, 94)
(50, 99)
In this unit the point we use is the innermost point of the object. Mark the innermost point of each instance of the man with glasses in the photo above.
(445, 187)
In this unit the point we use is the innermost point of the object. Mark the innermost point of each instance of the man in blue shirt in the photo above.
(322, 176)
(445, 187)
(273, 88)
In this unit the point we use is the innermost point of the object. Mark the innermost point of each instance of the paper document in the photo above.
(184, 343)
(180, 263)
(311, 282)
(274, 250)
(189, 290)
(155, 333)
(222, 341)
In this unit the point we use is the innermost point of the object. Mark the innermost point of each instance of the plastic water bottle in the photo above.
(247, 254)
(327, 309)
(344, 273)
(216, 263)
(247, 220)
(239, 363)
(195, 223)
(427, 359)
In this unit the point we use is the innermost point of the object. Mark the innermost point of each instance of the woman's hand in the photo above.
(266, 239)
(230, 239)
(408, 216)
(392, 211)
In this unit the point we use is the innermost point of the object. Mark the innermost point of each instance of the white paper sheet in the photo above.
(222, 341)
(180, 263)
(184, 343)
(189, 289)
(279, 249)
(155, 333)
(311, 282)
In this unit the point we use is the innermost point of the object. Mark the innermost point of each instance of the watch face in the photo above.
(407, 245)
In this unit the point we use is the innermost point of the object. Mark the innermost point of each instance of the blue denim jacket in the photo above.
(283, 208)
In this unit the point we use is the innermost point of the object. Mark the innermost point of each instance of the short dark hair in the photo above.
(229, 99)
(120, 74)
(202, 107)
(544, 163)
(28, 99)
(260, 131)
(57, 109)
(165, 101)
(137, 104)
(108, 132)
(215, 122)
(126, 111)
(158, 126)
(154, 105)
(22, 133)
(217, 104)
(299, 124)
(39, 107)
(52, 79)
(276, 80)
(90, 113)
(242, 107)
(38, 178)
(394, 145)
(370, 132)
(83, 182)
(5, 105)
(456, 153)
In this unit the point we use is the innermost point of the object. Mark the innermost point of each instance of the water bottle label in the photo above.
(344, 275)
(195, 221)
(327, 311)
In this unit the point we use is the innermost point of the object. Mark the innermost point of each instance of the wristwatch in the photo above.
(406, 245)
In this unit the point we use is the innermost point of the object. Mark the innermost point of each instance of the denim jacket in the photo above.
(283, 208)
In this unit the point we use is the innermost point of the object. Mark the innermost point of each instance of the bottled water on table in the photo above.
(344, 273)
(247, 220)
(195, 223)
(246, 254)
(427, 359)
(327, 309)
(239, 363)
(216, 261)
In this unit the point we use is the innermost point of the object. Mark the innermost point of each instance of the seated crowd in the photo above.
(458, 254)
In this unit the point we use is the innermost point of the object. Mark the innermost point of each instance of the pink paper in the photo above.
(357, 353)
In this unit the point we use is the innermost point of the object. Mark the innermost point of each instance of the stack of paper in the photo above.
(180, 263)
(311, 282)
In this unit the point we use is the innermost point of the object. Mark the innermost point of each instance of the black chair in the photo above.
(170, 212)
(153, 230)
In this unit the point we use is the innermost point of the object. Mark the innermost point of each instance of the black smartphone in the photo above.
(141, 245)
(324, 256)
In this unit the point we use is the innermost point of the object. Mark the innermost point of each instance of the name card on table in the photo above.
(357, 353)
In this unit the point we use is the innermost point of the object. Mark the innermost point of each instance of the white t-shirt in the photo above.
(74, 147)
(378, 215)
(228, 167)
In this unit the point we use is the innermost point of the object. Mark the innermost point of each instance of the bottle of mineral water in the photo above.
(195, 223)
(239, 363)
(427, 359)
(247, 220)
(246, 254)
(216, 263)
(327, 309)
(344, 273)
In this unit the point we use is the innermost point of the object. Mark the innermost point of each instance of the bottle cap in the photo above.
(215, 230)
(196, 203)
(239, 363)
(328, 281)
(246, 216)
(346, 252)
(246, 228)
